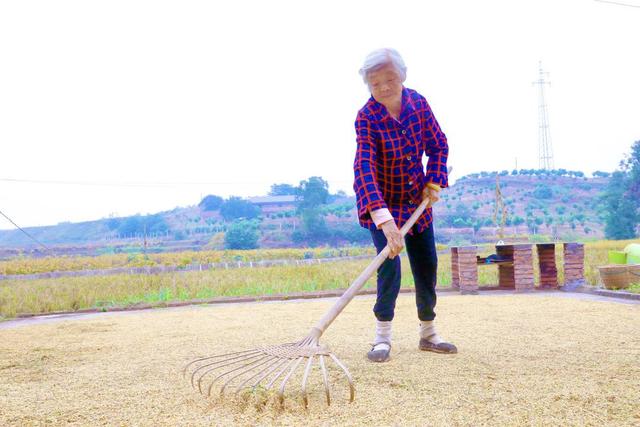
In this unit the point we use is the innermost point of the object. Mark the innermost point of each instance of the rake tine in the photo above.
(305, 377)
(305, 342)
(325, 378)
(184, 371)
(269, 359)
(233, 370)
(274, 379)
(222, 366)
(248, 355)
(284, 381)
(346, 372)
(262, 378)
(265, 372)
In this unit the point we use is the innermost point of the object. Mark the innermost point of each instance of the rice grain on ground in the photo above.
(523, 360)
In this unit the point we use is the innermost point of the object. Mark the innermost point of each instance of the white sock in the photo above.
(428, 331)
(383, 335)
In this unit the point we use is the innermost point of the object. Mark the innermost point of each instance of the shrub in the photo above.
(241, 235)
(543, 192)
(236, 208)
(211, 202)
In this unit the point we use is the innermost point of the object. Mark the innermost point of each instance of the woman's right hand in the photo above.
(394, 238)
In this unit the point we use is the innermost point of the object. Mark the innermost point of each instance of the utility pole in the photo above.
(545, 149)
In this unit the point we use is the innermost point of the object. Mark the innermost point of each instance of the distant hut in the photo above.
(274, 204)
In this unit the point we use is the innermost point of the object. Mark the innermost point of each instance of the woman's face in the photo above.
(385, 84)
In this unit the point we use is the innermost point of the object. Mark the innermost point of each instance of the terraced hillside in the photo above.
(562, 206)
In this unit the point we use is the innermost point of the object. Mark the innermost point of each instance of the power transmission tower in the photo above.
(545, 149)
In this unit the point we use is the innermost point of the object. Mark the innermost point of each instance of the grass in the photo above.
(634, 288)
(74, 293)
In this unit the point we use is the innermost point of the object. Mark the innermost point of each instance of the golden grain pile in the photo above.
(524, 359)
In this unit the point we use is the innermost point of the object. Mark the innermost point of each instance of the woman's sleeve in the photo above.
(436, 148)
(365, 185)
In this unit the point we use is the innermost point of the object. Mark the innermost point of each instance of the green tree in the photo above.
(632, 165)
(351, 233)
(548, 221)
(543, 192)
(139, 224)
(241, 235)
(459, 222)
(621, 216)
(282, 190)
(312, 193)
(314, 226)
(236, 208)
(621, 200)
(211, 203)
(600, 174)
(517, 220)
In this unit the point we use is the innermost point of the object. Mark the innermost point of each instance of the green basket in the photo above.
(617, 257)
(633, 253)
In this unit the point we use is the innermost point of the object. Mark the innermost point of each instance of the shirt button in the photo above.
(408, 157)
(410, 202)
(404, 131)
(410, 182)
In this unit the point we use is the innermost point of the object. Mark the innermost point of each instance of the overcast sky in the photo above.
(124, 107)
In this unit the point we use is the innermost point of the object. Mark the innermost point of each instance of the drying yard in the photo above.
(525, 359)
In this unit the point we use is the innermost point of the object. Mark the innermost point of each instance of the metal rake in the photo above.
(248, 370)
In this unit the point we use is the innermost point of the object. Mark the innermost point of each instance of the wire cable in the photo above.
(118, 184)
(618, 3)
(137, 184)
(27, 234)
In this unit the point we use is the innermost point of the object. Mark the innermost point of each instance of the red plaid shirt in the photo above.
(388, 166)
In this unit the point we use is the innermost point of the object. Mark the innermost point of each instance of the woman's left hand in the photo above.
(431, 193)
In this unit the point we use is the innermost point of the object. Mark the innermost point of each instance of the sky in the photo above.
(124, 107)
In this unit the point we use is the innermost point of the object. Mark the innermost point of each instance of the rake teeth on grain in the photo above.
(249, 369)
(268, 364)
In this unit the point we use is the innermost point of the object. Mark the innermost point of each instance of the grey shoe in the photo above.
(443, 347)
(379, 355)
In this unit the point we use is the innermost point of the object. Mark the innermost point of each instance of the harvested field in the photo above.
(524, 360)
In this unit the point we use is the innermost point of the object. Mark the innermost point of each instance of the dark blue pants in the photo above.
(421, 250)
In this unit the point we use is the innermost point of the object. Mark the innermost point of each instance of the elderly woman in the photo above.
(394, 129)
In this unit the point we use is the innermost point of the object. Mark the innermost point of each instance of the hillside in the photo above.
(559, 206)
(565, 207)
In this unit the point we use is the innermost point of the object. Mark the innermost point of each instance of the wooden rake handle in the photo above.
(357, 284)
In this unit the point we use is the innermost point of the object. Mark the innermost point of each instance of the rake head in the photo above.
(264, 367)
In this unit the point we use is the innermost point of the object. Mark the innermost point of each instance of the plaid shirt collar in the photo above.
(381, 111)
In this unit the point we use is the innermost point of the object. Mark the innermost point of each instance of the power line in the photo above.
(135, 184)
(618, 3)
(118, 184)
(27, 234)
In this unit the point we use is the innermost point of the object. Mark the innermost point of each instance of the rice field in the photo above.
(75, 293)
(29, 265)
(523, 360)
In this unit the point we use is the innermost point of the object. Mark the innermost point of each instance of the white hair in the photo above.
(381, 57)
